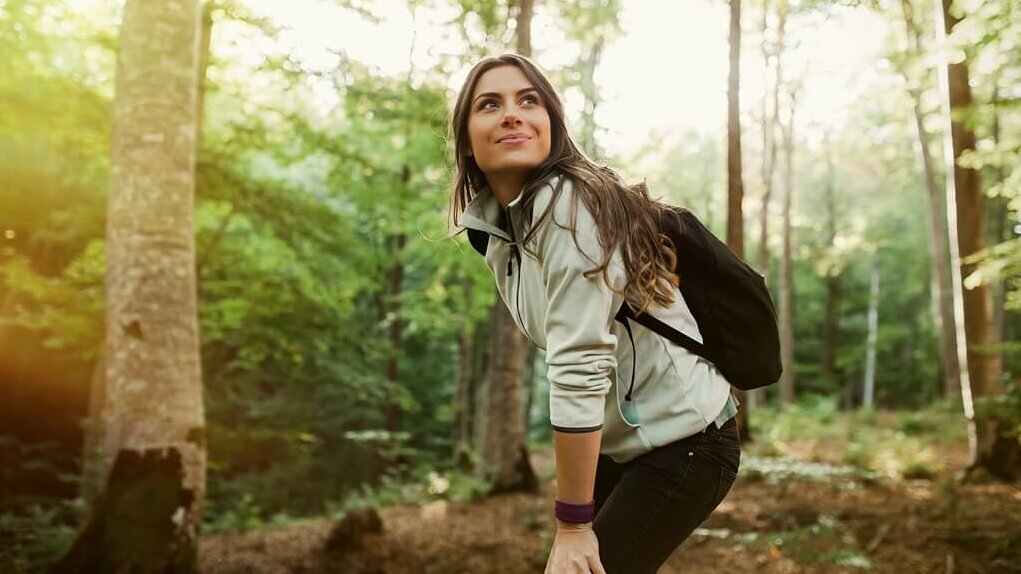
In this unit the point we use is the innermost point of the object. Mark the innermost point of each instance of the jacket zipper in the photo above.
(517, 290)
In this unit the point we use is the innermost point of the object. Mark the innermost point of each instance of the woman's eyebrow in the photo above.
(496, 95)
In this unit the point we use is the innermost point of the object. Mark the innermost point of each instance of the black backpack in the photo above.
(728, 299)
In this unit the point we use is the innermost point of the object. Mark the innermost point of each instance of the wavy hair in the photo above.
(626, 217)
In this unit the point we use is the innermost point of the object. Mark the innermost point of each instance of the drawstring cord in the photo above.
(634, 359)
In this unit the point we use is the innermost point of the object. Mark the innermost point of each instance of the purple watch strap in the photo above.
(576, 513)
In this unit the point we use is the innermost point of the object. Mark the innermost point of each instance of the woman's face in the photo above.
(508, 126)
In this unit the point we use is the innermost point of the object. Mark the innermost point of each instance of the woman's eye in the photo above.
(534, 99)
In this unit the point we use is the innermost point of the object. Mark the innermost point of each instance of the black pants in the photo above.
(647, 507)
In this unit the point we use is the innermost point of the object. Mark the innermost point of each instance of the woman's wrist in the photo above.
(573, 526)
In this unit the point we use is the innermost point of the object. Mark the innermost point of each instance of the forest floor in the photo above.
(802, 509)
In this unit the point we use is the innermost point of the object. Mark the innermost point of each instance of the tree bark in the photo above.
(735, 184)
(393, 414)
(940, 280)
(505, 456)
(524, 27)
(147, 517)
(769, 143)
(787, 379)
(831, 304)
(992, 451)
(462, 396)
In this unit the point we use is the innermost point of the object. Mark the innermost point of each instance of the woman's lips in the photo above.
(514, 140)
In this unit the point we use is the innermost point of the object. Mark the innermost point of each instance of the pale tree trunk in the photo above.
(786, 266)
(992, 450)
(154, 436)
(869, 382)
(940, 277)
(831, 304)
(769, 140)
(505, 451)
(768, 128)
(735, 184)
(590, 62)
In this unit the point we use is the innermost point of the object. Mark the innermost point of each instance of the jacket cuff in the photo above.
(576, 430)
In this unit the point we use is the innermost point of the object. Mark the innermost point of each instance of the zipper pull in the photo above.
(510, 260)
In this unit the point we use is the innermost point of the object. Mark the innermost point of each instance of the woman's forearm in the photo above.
(577, 455)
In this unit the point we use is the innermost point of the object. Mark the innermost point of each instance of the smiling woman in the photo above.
(509, 130)
(637, 471)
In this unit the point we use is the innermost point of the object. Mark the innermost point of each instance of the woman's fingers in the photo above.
(596, 565)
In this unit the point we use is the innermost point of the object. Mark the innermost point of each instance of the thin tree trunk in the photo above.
(992, 450)
(524, 27)
(769, 145)
(588, 88)
(393, 414)
(735, 184)
(93, 471)
(1001, 205)
(787, 380)
(831, 305)
(462, 395)
(154, 439)
(941, 281)
(869, 382)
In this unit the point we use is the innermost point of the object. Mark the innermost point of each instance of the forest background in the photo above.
(352, 355)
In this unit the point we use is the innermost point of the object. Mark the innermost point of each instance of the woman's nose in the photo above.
(511, 117)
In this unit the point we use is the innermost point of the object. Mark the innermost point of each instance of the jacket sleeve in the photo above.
(580, 345)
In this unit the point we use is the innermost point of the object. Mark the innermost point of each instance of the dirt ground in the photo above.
(790, 524)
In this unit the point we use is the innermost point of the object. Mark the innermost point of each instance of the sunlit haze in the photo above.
(667, 72)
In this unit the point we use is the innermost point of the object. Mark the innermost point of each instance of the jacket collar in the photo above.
(484, 211)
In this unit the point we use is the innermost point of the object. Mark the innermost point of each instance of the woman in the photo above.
(644, 432)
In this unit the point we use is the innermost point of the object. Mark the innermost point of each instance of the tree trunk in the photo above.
(92, 453)
(505, 456)
(769, 143)
(393, 414)
(992, 450)
(735, 184)
(1001, 213)
(147, 517)
(869, 382)
(590, 62)
(462, 396)
(786, 267)
(831, 304)
(941, 282)
(524, 27)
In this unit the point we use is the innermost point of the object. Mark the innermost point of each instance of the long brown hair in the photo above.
(625, 215)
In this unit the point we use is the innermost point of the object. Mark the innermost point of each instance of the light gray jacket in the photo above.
(675, 393)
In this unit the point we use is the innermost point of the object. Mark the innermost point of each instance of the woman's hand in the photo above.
(575, 550)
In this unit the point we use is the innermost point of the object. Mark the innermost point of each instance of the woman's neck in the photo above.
(506, 189)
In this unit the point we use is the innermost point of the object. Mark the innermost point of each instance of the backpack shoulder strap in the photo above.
(479, 240)
(664, 330)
